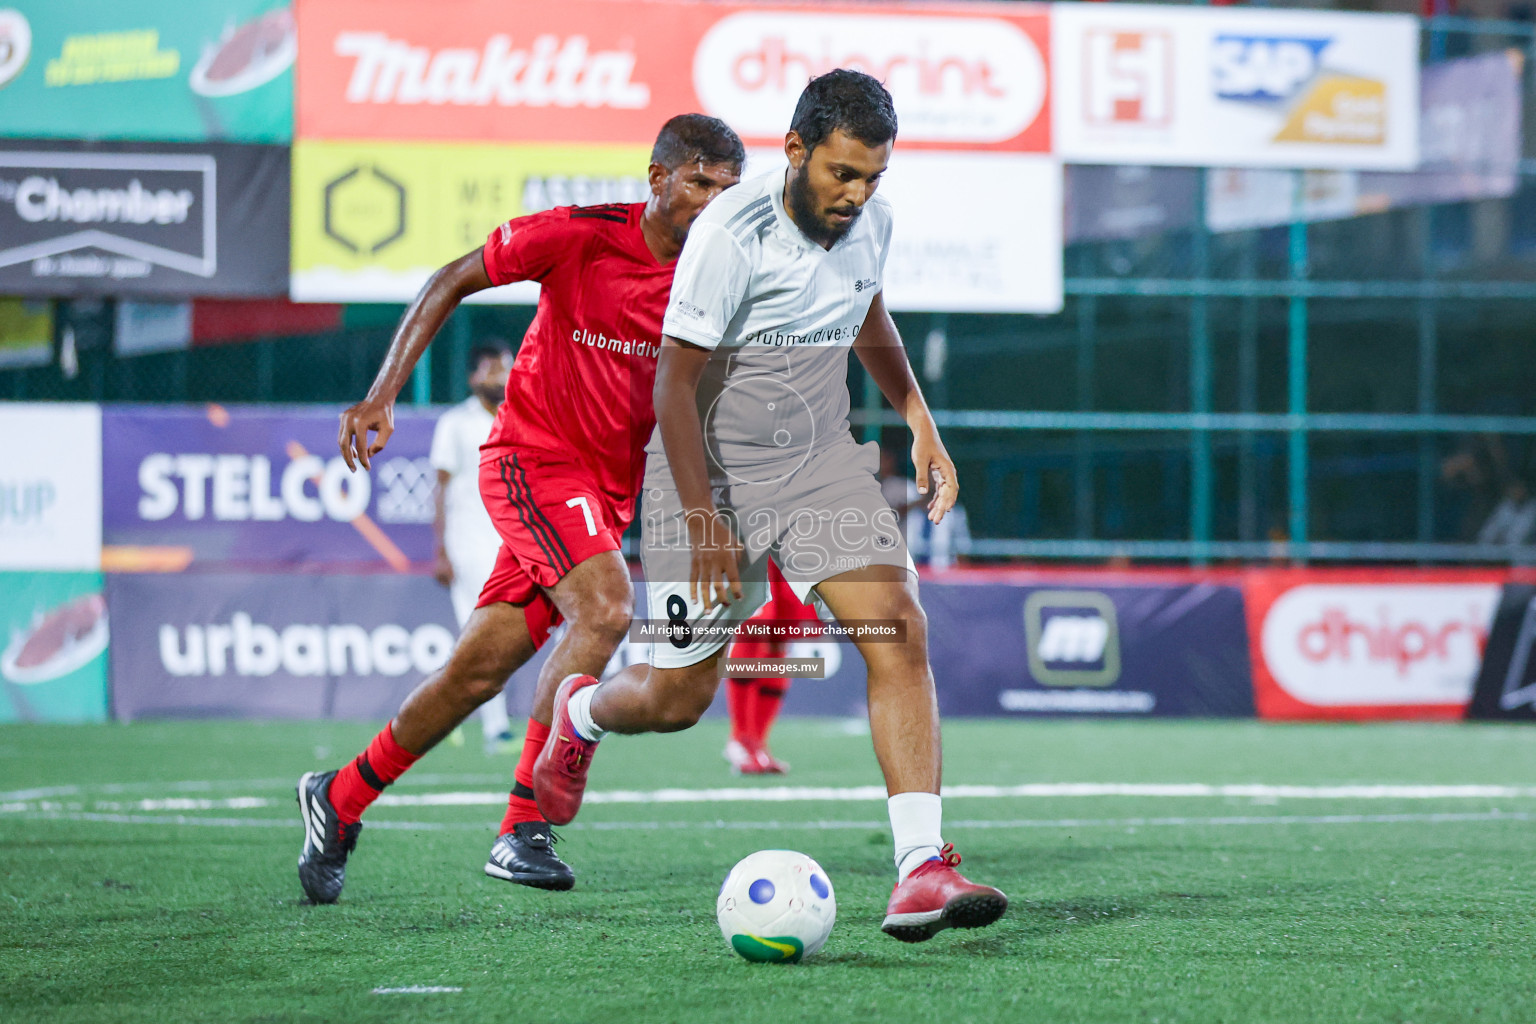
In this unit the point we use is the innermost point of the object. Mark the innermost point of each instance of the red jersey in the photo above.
(580, 389)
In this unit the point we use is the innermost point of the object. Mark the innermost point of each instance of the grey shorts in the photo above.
(825, 518)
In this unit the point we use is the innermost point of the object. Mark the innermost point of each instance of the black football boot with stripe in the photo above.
(327, 841)
(526, 855)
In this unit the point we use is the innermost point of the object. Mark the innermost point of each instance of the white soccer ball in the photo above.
(776, 906)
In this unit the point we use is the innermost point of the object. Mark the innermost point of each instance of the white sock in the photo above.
(915, 823)
(580, 709)
(494, 719)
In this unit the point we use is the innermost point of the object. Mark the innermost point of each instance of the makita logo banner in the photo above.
(126, 219)
(596, 71)
(273, 645)
(549, 71)
(1363, 645)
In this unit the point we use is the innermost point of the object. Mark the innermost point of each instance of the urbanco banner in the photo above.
(143, 219)
(153, 69)
(1234, 88)
(262, 487)
(199, 645)
(975, 76)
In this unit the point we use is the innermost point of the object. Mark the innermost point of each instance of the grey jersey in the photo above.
(780, 314)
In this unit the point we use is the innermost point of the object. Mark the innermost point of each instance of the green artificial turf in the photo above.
(1124, 908)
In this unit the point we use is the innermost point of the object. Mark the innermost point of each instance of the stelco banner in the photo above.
(50, 486)
(261, 488)
(154, 69)
(371, 222)
(1099, 650)
(963, 77)
(273, 646)
(1360, 644)
(125, 219)
(1234, 88)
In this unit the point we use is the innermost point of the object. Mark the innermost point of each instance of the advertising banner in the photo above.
(26, 333)
(1470, 126)
(962, 77)
(53, 647)
(50, 486)
(371, 222)
(1109, 203)
(273, 646)
(261, 487)
(155, 69)
(1367, 644)
(1234, 88)
(1097, 650)
(1506, 684)
(127, 219)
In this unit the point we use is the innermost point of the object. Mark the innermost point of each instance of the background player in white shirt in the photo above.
(467, 542)
(753, 459)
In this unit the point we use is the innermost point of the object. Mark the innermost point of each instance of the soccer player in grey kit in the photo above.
(753, 458)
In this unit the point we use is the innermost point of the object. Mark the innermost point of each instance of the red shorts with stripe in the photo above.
(551, 517)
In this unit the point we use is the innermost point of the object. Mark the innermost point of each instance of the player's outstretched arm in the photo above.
(426, 315)
(713, 575)
(885, 359)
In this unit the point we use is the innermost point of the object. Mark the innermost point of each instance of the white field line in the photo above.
(416, 990)
(823, 826)
(812, 794)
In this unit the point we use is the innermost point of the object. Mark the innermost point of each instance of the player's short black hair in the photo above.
(493, 348)
(848, 101)
(697, 138)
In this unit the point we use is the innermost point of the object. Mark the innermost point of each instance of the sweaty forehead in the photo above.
(843, 149)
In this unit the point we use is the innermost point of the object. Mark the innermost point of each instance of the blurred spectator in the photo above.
(1513, 520)
(467, 543)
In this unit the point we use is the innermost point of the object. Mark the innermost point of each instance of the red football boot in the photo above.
(935, 896)
(560, 773)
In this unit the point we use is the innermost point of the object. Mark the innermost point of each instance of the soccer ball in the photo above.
(776, 906)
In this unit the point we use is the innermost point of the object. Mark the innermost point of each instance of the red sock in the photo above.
(740, 700)
(741, 696)
(365, 776)
(765, 706)
(521, 806)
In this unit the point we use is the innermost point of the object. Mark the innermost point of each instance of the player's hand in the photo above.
(368, 415)
(936, 476)
(714, 576)
(442, 570)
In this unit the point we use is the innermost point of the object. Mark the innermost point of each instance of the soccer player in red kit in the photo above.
(559, 475)
(754, 701)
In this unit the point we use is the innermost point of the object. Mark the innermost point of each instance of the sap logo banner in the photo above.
(1359, 650)
(1218, 87)
(264, 488)
(1116, 649)
(1319, 105)
(50, 486)
(284, 646)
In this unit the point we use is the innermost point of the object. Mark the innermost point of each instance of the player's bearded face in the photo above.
(489, 381)
(826, 193)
